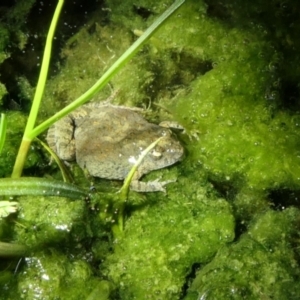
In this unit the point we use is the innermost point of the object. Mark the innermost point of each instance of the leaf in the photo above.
(39, 187)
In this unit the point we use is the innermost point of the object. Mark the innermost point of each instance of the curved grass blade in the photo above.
(125, 188)
(67, 177)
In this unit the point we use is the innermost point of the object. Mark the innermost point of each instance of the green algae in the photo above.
(3, 92)
(162, 242)
(260, 265)
(9, 152)
(4, 39)
(52, 275)
(46, 220)
(15, 125)
(12, 20)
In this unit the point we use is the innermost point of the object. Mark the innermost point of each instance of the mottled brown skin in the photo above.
(106, 140)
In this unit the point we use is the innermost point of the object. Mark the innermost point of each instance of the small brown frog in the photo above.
(106, 140)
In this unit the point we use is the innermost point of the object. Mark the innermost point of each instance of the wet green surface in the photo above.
(229, 74)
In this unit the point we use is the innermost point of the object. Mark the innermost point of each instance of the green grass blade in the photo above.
(27, 137)
(44, 72)
(67, 177)
(26, 186)
(3, 125)
(123, 192)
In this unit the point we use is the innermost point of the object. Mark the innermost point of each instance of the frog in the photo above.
(106, 140)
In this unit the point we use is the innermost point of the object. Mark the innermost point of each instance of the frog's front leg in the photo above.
(172, 125)
(150, 186)
(60, 138)
(192, 134)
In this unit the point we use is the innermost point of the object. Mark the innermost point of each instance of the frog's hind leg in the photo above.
(60, 139)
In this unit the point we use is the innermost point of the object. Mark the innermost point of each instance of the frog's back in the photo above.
(111, 140)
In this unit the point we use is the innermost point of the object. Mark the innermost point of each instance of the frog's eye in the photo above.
(156, 154)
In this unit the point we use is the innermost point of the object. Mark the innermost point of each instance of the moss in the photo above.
(49, 220)
(19, 11)
(13, 19)
(4, 39)
(16, 122)
(162, 241)
(3, 92)
(260, 265)
(26, 90)
(135, 15)
(248, 203)
(8, 155)
(53, 275)
(240, 136)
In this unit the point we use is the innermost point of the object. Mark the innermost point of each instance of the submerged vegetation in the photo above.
(229, 226)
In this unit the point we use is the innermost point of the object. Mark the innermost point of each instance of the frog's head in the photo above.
(167, 152)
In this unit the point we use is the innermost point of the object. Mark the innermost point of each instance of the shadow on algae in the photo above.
(216, 69)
